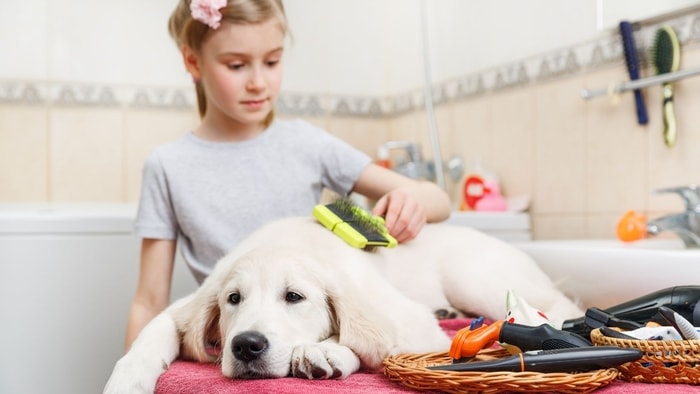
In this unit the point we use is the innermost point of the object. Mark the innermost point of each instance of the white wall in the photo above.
(121, 42)
(466, 36)
(347, 47)
(363, 47)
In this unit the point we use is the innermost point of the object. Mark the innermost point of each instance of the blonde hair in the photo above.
(187, 31)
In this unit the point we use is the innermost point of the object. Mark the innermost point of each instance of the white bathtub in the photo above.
(67, 276)
(68, 273)
(606, 272)
(508, 226)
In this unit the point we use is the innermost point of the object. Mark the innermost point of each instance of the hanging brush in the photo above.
(666, 57)
(632, 61)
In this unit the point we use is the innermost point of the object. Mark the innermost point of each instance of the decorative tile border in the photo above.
(40, 93)
(604, 51)
(26, 93)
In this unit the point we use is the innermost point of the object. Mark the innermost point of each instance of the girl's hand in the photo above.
(403, 215)
(406, 204)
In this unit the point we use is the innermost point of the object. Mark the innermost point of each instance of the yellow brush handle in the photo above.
(669, 116)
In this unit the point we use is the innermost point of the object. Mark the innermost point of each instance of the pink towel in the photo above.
(188, 378)
(185, 377)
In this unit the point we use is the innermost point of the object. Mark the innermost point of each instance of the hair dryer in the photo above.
(681, 299)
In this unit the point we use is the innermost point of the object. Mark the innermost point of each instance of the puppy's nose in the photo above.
(248, 345)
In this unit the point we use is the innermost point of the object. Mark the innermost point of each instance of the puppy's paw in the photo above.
(325, 360)
(131, 377)
(448, 313)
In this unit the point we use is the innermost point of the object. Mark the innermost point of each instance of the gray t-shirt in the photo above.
(211, 195)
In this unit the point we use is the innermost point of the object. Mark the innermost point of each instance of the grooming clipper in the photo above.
(468, 343)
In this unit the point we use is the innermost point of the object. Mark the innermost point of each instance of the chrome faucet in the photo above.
(413, 165)
(685, 224)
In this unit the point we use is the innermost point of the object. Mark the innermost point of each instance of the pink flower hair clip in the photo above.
(207, 11)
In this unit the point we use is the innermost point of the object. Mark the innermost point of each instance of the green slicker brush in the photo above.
(666, 56)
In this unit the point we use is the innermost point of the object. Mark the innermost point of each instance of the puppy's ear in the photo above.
(360, 326)
(198, 323)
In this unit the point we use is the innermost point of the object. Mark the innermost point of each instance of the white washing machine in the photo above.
(67, 277)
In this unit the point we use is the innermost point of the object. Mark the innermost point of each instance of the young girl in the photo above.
(240, 168)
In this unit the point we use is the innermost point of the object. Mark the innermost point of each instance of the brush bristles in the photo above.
(666, 51)
(355, 214)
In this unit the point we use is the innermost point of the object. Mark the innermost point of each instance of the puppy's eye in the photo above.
(234, 298)
(293, 297)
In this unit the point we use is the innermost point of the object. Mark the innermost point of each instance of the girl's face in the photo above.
(240, 67)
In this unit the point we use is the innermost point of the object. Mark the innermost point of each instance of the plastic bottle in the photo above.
(481, 190)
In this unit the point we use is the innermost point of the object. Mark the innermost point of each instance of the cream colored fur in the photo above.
(326, 309)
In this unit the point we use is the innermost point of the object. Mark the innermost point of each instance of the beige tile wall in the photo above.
(86, 155)
(24, 154)
(584, 163)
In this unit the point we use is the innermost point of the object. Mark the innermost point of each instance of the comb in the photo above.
(627, 34)
(357, 227)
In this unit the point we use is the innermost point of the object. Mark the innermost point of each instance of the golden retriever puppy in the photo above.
(294, 299)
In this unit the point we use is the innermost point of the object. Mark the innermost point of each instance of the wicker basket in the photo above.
(409, 370)
(662, 362)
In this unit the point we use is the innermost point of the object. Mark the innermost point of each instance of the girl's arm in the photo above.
(405, 203)
(153, 289)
